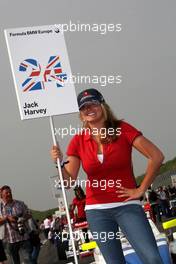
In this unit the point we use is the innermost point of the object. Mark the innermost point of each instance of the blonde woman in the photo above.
(104, 150)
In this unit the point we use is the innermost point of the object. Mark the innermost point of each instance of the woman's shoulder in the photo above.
(129, 131)
(127, 126)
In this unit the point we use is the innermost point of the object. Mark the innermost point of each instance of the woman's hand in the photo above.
(56, 153)
(132, 194)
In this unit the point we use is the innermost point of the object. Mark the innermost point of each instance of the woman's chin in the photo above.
(92, 119)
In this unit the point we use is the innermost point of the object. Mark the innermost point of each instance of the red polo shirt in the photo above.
(80, 206)
(105, 178)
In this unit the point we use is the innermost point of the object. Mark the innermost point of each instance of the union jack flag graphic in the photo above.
(53, 72)
(31, 82)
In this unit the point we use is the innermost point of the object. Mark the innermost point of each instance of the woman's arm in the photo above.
(73, 206)
(155, 159)
(71, 169)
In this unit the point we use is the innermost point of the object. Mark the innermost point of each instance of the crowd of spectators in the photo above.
(162, 201)
(20, 234)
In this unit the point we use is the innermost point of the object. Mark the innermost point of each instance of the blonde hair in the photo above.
(110, 121)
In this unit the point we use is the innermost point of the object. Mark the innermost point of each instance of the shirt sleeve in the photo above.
(26, 210)
(73, 147)
(130, 132)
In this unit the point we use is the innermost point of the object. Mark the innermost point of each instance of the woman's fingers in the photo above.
(123, 195)
(130, 193)
(123, 190)
(56, 153)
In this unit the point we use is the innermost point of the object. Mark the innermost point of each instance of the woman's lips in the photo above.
(91, 114)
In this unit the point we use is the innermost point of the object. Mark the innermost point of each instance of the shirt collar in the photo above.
(4, 204)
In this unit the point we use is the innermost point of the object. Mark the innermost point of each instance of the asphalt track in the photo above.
(48, 255)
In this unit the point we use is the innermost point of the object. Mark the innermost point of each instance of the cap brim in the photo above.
(88, 101)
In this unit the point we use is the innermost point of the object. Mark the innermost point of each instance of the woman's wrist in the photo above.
(142, 189)
(62, 164)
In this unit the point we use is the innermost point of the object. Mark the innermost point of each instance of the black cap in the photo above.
(89, 95)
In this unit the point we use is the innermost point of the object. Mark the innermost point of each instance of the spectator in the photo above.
(167, 192)
(42, 227)
(34, 239)
(79, 202)
(52, 229)
(47, 225)
(170, 189)
(13, 216)
(154, 202)
(61, 240)
(171, 192)
(163, 201)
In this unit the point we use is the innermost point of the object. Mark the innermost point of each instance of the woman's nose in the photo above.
(88, 107)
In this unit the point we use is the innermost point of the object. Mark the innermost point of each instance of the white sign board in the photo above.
(41, 71)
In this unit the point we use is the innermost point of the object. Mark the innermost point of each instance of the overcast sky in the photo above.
(143, 53)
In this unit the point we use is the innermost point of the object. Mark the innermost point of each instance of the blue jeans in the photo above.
(23, 247)
(35, 253)
(134, 225)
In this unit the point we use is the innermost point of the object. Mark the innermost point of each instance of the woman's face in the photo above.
(92, 112)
